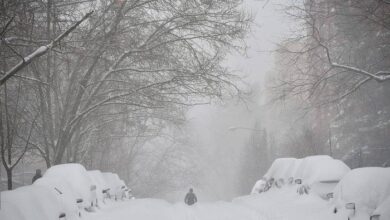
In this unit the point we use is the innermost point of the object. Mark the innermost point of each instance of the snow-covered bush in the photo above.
(76, 176)
(30, 202)
(368, 188)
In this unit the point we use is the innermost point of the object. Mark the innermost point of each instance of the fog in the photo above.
(172, 95)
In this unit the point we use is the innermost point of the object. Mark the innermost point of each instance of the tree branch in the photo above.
(40, 51)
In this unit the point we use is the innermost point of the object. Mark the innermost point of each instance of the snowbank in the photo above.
(285, 203)
(367, 188)
(30, 203)
(76, 176)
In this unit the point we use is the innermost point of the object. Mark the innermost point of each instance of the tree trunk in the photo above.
(9, 178)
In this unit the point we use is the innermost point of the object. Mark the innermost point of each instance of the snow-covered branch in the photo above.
(40, 51)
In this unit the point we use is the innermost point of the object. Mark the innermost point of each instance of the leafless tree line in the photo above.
(333, 76)
(80, 76)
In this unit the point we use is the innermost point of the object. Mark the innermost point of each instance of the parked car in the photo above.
(64, 192)
(363, 193)
(117, 186)
(102, 187)
(76, 176)
(318, 174)
(21, 204)
(382, 212)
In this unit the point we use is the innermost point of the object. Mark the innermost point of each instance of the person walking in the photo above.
(190, 198)
(37, 175)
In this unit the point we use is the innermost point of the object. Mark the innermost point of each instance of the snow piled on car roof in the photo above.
(310, 169)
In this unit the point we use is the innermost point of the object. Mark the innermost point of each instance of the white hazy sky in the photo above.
(220, 147)
(269, 28)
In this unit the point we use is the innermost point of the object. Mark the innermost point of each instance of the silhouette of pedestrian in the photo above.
(37, 175)
(190, 198)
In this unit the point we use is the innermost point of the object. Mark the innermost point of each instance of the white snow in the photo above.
(115, 184)
(57, 190)
(153, 209)
(64, 192)
(384, 209)
(283, 168)
(318, 174)
(285, 203)
(29, 203)
(98, 180)
(259, 186)
(76, 176)
(321, 168)
(367, 187)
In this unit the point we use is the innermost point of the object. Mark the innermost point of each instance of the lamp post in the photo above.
(234, 128)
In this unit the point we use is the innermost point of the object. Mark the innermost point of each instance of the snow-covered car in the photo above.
(281, 172)
(31, 202)
(283, 168)
(319, 174)
(101, 185)
(260, 186)
(64, 192)
(383, 211)
(362, 193)
(76, 176)
(117, 186)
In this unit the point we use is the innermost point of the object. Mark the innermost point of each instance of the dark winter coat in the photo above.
(190, 198)
(36, 176)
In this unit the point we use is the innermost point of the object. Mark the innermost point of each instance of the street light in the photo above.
(234, 128)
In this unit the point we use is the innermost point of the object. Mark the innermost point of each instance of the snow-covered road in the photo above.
(275, 206)
(153, 209)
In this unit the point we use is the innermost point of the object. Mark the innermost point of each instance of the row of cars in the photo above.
(362, 193)
(65, 191)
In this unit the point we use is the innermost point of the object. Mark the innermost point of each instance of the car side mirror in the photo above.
(79, 200)
(329, 195)
(375, 217)
(62, 215)
(298, 181)
(350, 206)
